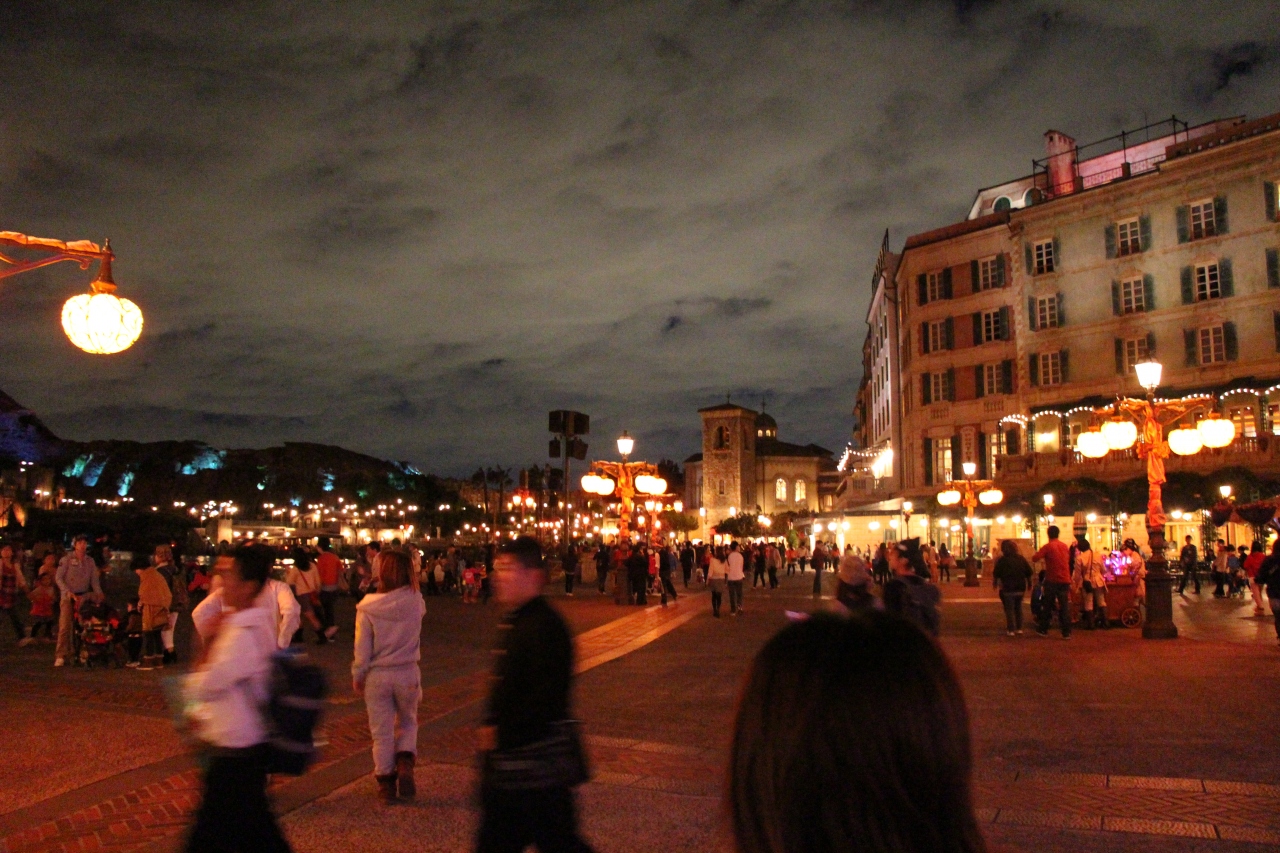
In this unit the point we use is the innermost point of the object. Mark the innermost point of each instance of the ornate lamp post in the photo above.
(627, 479)
(98, 322)
(971, 493)
(1150, 417)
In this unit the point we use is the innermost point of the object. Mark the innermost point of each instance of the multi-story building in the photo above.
(1019, 321)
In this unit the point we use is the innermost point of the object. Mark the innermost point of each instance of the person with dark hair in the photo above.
(77, 579)
(687, 559)
(526, 792)
(1252, 563)
(1012, 576)
(1087, 579)
(1269, 579)
(909, 593)
(303, 578)
(12, 582)
(852, 734)
(276, 596)
(570, 565)
(638, 575)
(1057, 584)
(1189, 560)
(853, 583)
(736, 573)
(329, 568)
(385, 669)
(227, 693)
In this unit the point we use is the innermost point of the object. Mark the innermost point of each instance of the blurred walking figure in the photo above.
(717, 579)
(227, 692)
(531, 751)
(385, 669)
(1088, 580)
(1012, 576)
(1189, 560)
(329, 568)
(154, 599)
(852, 735)
(12, 582)
(910, 593)
(737, 576)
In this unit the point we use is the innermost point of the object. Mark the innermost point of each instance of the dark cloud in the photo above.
(412, 229)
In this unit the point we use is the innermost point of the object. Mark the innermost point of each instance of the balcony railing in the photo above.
(1260, 454)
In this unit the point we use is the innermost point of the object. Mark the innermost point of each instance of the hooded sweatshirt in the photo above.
(388, 630)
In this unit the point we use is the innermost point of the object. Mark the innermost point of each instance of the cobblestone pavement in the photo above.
(1106, 743)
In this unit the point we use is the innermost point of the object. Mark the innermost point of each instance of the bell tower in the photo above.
(728, 460)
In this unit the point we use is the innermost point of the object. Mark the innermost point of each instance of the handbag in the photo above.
(556, 761)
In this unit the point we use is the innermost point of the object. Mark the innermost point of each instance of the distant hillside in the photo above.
(23, 436)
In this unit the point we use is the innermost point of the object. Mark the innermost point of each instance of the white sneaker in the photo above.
(331, 632)
(59, 661)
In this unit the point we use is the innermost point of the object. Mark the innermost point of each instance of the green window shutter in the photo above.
(1273, 267)
(1115, 298)
(922, 283)
(974, 284)
(979, 375)
(977, 328)
(1109, 240)
(1229, 341)
(946, 283)
(1000, 270)
(1151, 344)
(1006, 376)
(1149, 292)
(1226, 281)
(1033, 368)
(1031, 313)
(1275, 321)
(928, 461)
(1190, 347)
(926, 389)
(1006, 324)
(1062, 311)
(1031, 261)
(957, 464)
(949, 385)
(1057, 254)
(1220, 215)
(1184, 223)
(924, 338)
(1120, 356)
(1144, 232)
(1062, 362)
(1188, 286)
(1269, 200)
(950, 333)
(982, 456)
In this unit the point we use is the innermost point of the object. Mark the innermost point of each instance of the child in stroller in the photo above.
(96, 625)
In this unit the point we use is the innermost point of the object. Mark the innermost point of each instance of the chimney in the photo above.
(1061, 150)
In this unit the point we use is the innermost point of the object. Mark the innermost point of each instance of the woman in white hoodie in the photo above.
(385, 669)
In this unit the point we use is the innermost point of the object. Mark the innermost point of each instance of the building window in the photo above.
(1050, 368)
(995, 448)
(940, 387)
(1213, 345)
(1245, 420)
(1135, 350)
(993, 376)
(802, 490)
(937, 337)
(1208, 282)
(992, 328)
(1047, 312)
(1203, 223)
(720, 488)
(941, 461)
(1132, 296)
(1273, 417)
(1044, 259)
(1128, 241)
(937, 287)
(988, 274)
(780, 489)
(721, 439)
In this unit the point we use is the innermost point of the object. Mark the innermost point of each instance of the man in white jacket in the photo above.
(276, 597)
(227, 692)
(385, 669)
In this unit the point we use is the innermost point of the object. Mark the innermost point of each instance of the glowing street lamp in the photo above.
(626, 444)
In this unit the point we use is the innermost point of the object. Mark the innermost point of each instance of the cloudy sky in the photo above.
(412, 228)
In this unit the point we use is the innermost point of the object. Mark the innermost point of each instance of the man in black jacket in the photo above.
(532, 675)
(1190, 562)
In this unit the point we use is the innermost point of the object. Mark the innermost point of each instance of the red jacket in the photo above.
(1057, 561)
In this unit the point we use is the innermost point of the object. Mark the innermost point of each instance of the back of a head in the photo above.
(1009, 548)
(852, 734)
(255, 562)
(526, 550)
(1054, 532)
(324, 543)
(394, 570)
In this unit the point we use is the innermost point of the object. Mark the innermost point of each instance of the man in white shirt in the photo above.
(275, 596)
(737, 573)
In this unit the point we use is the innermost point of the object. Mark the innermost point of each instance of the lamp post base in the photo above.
(971, 571)
(1159, 622)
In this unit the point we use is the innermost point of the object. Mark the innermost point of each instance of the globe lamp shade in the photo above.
(949, 498)
(1149, 373)
(1092, 444)
(1216, 431)
(626, 444)
(990, 497)
(1185, 442)
(970, 468)
(101, 322)
(1119, 433)
(604, 487)
(590, 482)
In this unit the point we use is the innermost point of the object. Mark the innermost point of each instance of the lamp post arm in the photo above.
(82, 252)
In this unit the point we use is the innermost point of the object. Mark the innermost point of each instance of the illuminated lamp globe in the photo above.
(1216, 431)
(970, 468)
(874, 525)
(590, 482)
(626, 444)
(659, 486)
(948, 498)
(1185, 441)
(990, 496)
(1119, 433)
(1149, 371)
(604, 488)
(1092, 444)
(99, 322)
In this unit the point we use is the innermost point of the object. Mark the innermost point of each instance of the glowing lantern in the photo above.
(1119, 433)
(1092, 444)
(948, 498)
(100, 322)
(1185, 441)
(1216, 431)
(990, 496)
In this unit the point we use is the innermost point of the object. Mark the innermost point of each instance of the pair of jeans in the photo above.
(773, 577)
(329, 603)
(15, 620)
(717, 594)
(1056, 596)
(735, 596)
(668, 588)
(234, 813)
(1012, 602)
(1190, 573)
(546, 818)
(568, 581)
(391, 697)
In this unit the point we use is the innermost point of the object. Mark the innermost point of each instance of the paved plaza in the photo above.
(1105, 742)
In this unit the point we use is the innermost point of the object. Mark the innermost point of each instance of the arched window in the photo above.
(722, 438)
(780, 489)
(802, 490)
(720, 488)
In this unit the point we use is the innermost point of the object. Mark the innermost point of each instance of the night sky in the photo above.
(410, 229)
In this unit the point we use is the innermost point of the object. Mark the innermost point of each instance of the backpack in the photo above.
(293, 709)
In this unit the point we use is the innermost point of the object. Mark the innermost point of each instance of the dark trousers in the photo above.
(1012, 602)
(1056, 595)
(15, 620)
(1190, 573)
(234, 814)
(757, 577)
(668, 588)
(688, 573)
(602, 572)
(817, 579)
(773, 577)
(716, 597)
(639, 586)
(513, 820)
(568, 580)
(329, 601)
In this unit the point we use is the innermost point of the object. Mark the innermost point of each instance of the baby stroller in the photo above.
(95, 634)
